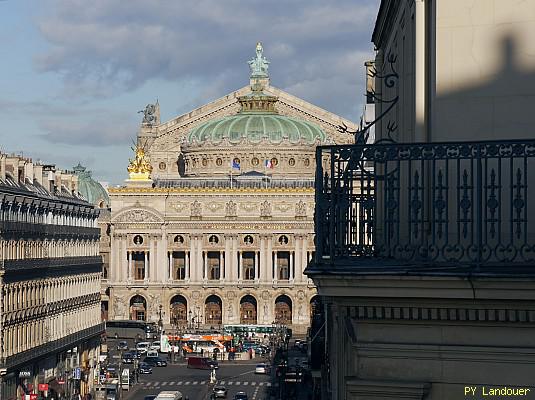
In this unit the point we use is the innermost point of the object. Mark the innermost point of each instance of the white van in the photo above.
(169, 395)
(142, 347)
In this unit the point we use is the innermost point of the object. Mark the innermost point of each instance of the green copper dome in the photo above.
(255, 127)
(92, 191)
(257, 120)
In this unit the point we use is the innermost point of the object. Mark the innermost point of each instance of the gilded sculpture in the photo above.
(139, 168)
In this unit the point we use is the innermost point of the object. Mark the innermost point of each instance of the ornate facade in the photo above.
(49, 281)
(222, 230)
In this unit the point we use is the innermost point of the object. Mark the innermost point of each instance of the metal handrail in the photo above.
(465, 204)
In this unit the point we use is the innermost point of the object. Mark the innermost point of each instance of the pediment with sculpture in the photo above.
(137, 215)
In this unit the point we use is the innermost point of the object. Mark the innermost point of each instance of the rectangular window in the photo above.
(248, 265)
(179, 265)
(283, 265)
(214, 270)
(138, 264)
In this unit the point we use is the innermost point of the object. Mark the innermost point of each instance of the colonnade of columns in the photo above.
(272, 263)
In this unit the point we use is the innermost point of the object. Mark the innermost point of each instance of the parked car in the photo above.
(152, 353)
(155, 361)
(261, 369)
(135, 353)
(150, 397)
(155, 345)
(142, 347)
(122, 345)
(128, 358)
(220, 392)
(241, 396)
(144, 368)
(169, 395)
(202, 363)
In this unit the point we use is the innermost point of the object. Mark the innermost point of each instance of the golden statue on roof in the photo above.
(139, 168)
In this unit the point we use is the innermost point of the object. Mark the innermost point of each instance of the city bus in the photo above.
(259, 331)
(194, 343)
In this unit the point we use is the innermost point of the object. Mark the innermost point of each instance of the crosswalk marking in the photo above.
(156, 384)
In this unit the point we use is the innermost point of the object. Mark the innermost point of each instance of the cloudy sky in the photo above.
(74, 73)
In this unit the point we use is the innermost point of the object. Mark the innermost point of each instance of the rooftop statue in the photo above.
(139, 168)
(259, 65)
(149, 116)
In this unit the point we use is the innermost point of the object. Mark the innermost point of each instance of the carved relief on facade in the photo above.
(301, 209)
(214, 207)
(231, 209)
(137, 215)
(248, 207)
(178, 206)
(196, 209)
(119, 307)
(265, 209)
(283, 206)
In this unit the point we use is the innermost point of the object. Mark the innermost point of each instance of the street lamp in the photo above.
(119, 392)
(160, 322)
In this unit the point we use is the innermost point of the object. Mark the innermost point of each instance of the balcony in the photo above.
(47, 349)
(57, 231)
(449, 207)
(71, 264)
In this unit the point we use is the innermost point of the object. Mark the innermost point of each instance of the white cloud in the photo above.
(102, 49)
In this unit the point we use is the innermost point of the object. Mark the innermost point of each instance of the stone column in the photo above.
(199, 264)
(205, 265)
(146, 260)
(298, 259)
(291, 274)
(275, 268)
(234, 259)
(240, 264)
(269, 259)
(170, 265)
(304, 252)
(154, 274)
(263, 260)
(126, 272)
(193, 257)
(220, 264)
(228, 258)
(187, 265)
(161, 259)
(256, 266)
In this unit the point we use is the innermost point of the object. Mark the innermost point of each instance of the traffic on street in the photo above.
(276, 370)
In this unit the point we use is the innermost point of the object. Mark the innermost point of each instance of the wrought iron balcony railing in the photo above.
(69, 263)
(51, 230)
(466, 204)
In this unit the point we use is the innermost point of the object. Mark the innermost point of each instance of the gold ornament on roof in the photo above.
(139, 168)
